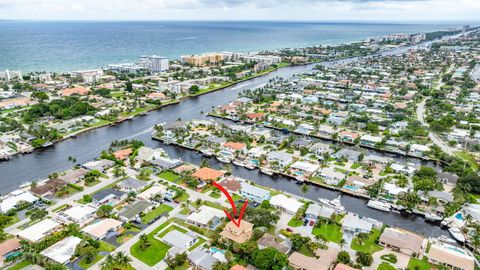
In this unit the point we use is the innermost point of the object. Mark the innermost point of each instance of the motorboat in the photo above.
(456, 234)
(335, 204)
(249, 166)
(206, 152)
(237, 163)
(379, 205)
(433, 217)
(266, 171)
(223, 159)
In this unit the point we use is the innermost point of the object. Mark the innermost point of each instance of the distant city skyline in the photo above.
(289, 10)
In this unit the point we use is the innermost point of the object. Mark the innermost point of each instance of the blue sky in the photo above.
(318, 10)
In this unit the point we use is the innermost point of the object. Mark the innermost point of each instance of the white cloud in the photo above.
(371, 10)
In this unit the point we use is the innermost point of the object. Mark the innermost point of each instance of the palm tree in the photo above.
(343, 243)
(321, 238)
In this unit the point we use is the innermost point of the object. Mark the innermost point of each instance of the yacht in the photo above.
(382, 206)
(249, 166)
(236, 162)
(335, 204)
(266, 171)
(456, 233)
(223, 159)
(433, 217)
(206, 152)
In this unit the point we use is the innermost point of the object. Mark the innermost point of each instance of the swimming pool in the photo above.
(459, 216)
(215, 250)
(352, 188)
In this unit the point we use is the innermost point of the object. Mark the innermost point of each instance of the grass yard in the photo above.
(171, 228)
(215, 195)
(154, 253)
(295, 222)
(104, 246)
(124, 238)
(333, 232)
(169, 176)
(83, 263)
(185, 211)
(200, 242)
(93, 183)
(21, 265)
(235, 197)
(184, 266)
(386, 266)
(416, 264)
(156, 212)
(469, 158)
(369, 245)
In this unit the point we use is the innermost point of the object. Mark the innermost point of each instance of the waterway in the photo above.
(88, 145)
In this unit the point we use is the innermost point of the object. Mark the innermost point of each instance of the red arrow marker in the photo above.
(232, 203)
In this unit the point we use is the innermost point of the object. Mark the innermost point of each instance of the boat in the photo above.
(456, 234)
(223, 159)
(236, 162)
(335, 204)
(382, 206)
(206, 152)
(249, 166)
(446, 222)
(432, 217)
(266, 171)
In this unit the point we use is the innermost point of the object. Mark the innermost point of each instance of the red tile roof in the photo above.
(206, 174)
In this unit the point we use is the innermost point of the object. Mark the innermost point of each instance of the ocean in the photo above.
(73, 45)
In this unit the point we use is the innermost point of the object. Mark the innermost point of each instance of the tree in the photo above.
(144, 242)
(343, 257)
(364, 258)
(218, 265)
(472, 180)
(177, 260)
(128, 86)
(87, 198)
(40, 96)
(269, 259)
(194, 89)
(104, 210)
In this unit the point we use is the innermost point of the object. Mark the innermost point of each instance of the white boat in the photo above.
(335, 204)
(249, 166)
(382, 206)
(266, 171)
(206, 152)
(457, 234)
(237, 163)
(223, 159)
(432, 217)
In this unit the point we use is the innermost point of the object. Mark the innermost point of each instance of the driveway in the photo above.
(402, 259)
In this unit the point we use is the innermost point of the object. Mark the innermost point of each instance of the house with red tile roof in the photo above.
(208, 174)
(123, 153)
(77, 90)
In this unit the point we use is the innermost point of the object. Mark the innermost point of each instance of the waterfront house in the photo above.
(73, 176)
(255, 116)
(347, 136)
(254, 193)
(419, 149)
(326, 131)
(313, 212)
(304, 168)
(235, 147)
(320, 148)
(103, 228)
(402, 241)
(282, 158)
(122, 154)
(403, 169)
(231, 184)
(330, 176)
(206, 174)
(165, 163)
(352, 224)
(348, 154)
(100, 165)
(452, 257)
(48, 188)
(238, 234)
(285, 203)
(370, 140)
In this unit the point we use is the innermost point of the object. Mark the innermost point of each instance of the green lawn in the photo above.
(235, 198)
(171, 228)
(416, 264)
(295, 222)
(369, 246)
(21, 265)
(215, 195)
(199, 243)
(185, 211)
(385, 266)
(156, 212)
(169, 176)
(333, 232)
(469, 158)
(104, 246)
(93, 183)
(184, 266)
(83, 263)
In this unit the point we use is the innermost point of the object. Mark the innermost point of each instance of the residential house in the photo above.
(352, 224)
(451, 256)
(179, 239)
(109, 195)
(152, 192)
(131, 185)
(206, 216)
(206, 174)
(103, 228)
(239, 234)
(268, 240)
(254, 193)
(299, 261)
(9, 249)
(205, 259)
(330, 176)
(79, 214)
(285, 203)
(370, 140)
(62, 251)
(313, 212)
(39, 230)
(11, 200)
(133, 211)
(100, 165)
(48, 188)
(282, 158)
(402, 241)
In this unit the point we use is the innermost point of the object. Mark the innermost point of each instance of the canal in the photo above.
(88, 145)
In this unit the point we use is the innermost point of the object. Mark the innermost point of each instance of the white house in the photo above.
(285, 203)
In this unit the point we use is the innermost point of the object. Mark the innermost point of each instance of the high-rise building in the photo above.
(154, 63)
